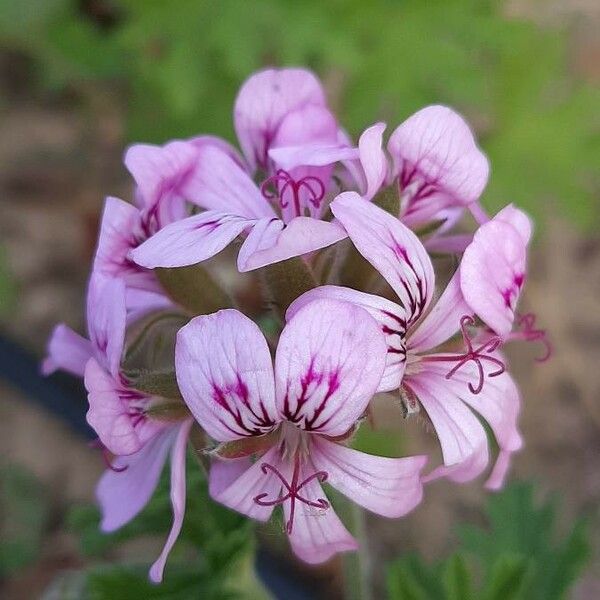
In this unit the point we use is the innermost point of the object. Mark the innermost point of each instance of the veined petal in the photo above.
(123, 492)
(435, 147)
(392, 248)
(309, 124)
(390, 316)
(106, 319)
(110, 413)
(518, 219)
(225, 375)
(443, 321)
(236, 483)
(67, 351)
(177, 498)
(317, 533)
(191, 240)
(314, 154)
(264, 101)
(387, 486)
(373, 159)
(492, 274)
(219, 183)
(328, 364)
(271, 241)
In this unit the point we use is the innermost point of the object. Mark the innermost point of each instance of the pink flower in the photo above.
(328, 364)
(121, 415)
(450, 386)
(281, 218)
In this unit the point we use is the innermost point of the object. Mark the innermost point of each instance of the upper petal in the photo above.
(271, 241)
(190, 241)
(492, 274)
(373, 159)
(225, 375)
(68, 351)
(390, 316)
(387, 486)
(393, 249)
(106, 319)
(264, 101)
(438, 145)
(329, 362)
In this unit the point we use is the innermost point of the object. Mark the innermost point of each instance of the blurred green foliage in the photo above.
(516, 557)
(179, 64)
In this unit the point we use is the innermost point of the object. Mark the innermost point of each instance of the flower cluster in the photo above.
(341, 237)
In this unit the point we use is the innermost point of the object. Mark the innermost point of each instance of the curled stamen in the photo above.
(477, 355)
(529, 333)
(278, 186)
(106, 456)
(292, 491)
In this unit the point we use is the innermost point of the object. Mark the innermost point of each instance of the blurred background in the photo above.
(81, 79)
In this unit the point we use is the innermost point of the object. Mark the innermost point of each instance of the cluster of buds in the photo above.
(340, 235)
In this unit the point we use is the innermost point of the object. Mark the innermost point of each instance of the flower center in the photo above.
(283, 188)
(292, 491)
(477, 355)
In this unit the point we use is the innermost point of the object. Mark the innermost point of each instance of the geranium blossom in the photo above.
(285, 214)
(328, 364)
(122, 416)
(449, 386)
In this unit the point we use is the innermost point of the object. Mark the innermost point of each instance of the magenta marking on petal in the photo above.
(417, 304)
(284, 185)
(511, 294)
(473, 354)
(293, 488)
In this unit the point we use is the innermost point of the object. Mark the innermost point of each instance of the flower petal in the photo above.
(123, 492)
(373, 159)
(328, 365)
(271, 241)
(106, 319)
(190, 241)
(109, 413)
(443, 321)
(264, 101)
(492, 274)
(391, 248)
(518, 219)
(389, 315)
(177, 498)
(436, 147)
(387, 486)
(317, 155)
(67, 351)
(225, 375)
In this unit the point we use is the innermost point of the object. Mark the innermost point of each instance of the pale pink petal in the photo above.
(317, 155)
(125, 490)
(177, 498)
(392, 248)
(518, 219)
(492, 274)
(310, 124)
(202, 141)
(448, 244)
(264, 101)
(141, 302)
(237, 490)
(106, 319)
(225, 375)
(389, 315)
(190, 241)
(328, 364)
(219, 183)
(67, 351)
(373, 159)
(387, 486)
(271, 241)
(443, 321)
(464, 471)
(109, 413)
(435, 154)
(317, 533)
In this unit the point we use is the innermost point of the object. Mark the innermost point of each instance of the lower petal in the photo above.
(67, 351)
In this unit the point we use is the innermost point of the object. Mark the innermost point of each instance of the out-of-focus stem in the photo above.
(358, 583)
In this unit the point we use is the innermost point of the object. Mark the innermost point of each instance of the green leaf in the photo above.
(457, 579)
(507, 579)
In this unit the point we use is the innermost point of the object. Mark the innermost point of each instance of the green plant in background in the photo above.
(181, 62)
(516, 557)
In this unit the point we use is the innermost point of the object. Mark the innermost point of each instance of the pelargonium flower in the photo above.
(122, 416)
(450, 386)
(285, 214)
(293, 418)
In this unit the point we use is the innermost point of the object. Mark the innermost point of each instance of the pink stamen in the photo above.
(283, 183)
(473, 354)
(529, 333)
(106, 456)
(292, 491)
